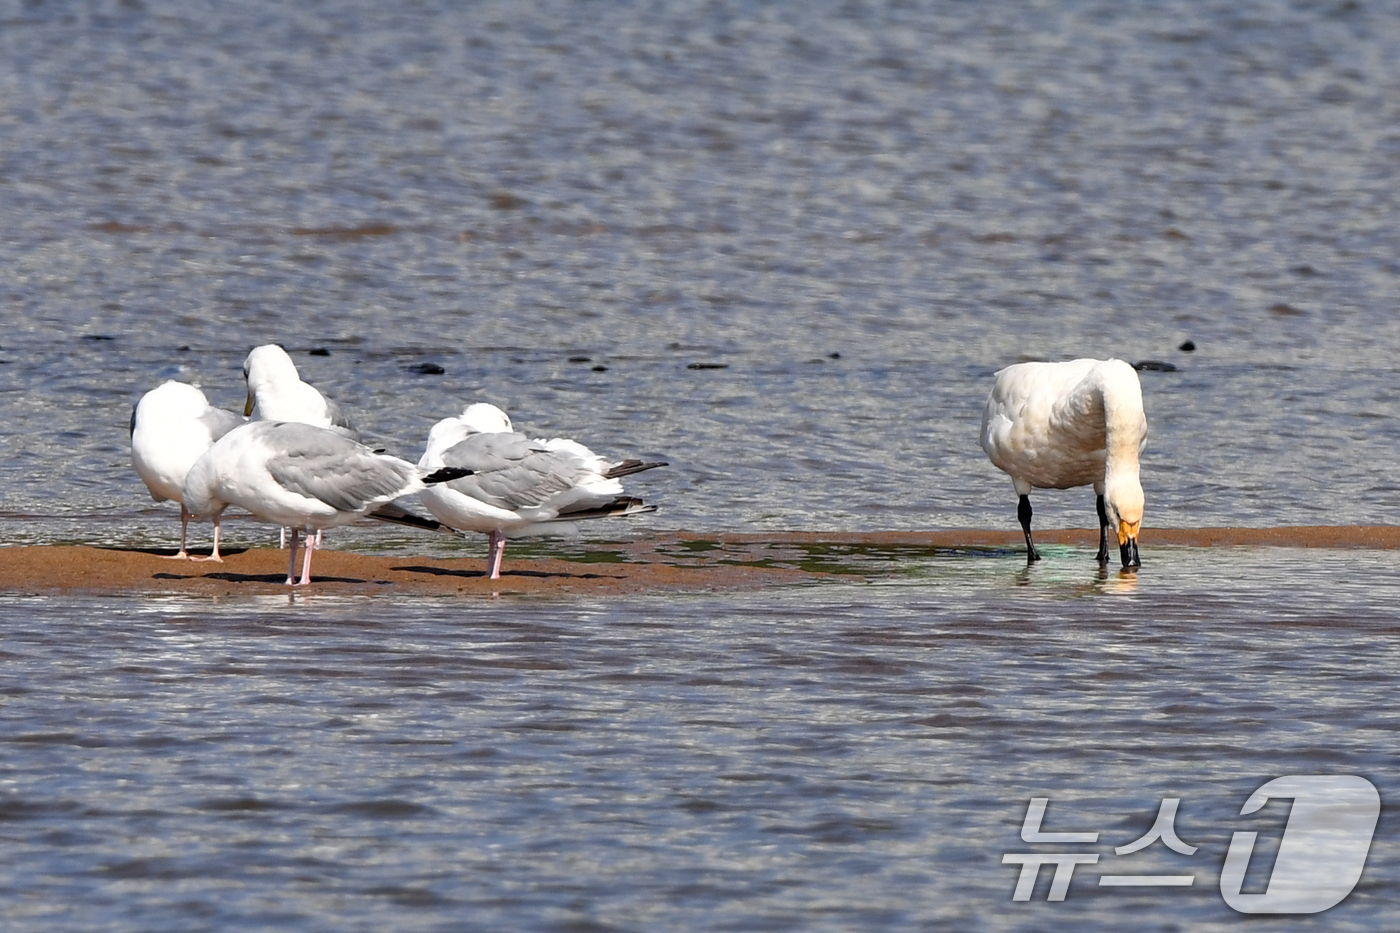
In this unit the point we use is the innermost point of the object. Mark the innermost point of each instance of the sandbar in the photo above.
(673, 562)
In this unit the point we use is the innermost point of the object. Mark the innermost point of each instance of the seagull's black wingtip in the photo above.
(446, 475)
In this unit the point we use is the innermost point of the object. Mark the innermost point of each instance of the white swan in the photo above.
(1080, 423)
(171, 427)
(519, 486)
(301, 477)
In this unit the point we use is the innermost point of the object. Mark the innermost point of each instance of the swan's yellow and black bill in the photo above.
(1127, 543)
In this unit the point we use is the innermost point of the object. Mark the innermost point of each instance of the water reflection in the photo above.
(1119, 581)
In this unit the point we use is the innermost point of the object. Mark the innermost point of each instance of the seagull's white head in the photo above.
(268, 365)
(1123, 501)
(485, 418)
(480, 418)
(173, 400)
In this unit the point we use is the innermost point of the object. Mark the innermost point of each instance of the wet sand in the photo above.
(677, 562)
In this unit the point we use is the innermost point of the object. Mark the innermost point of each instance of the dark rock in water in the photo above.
(600, 369)
(580, 359)
(507, 201)
(708, 366)
(1154, 366)
(318, 351)
(833, 356)
(427, 369)
(1188, 346)
(97, 337)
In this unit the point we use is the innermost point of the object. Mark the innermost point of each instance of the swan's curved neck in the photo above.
(1125, 425)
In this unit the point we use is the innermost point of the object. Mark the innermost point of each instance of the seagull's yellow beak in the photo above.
(248, 408)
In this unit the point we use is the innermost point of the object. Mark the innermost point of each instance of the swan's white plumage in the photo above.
(518, 486)
(296, 475)
(171, 427)
(1077, 423)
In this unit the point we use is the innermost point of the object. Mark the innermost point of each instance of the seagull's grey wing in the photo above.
(511, 471)
(484, 452)
(348, 485)
(219, 421)
(323, 465)
(340, 421)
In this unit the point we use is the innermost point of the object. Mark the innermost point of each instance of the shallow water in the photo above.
(858, 211)
(840, 757)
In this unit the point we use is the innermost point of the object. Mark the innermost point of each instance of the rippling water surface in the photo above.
(845, 757)
(782, 246)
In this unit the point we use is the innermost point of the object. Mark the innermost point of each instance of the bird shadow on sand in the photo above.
(171, 552)
(255, 578)
(505, 574)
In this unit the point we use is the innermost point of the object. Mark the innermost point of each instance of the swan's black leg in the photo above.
(1103, 531)
(1023, 512)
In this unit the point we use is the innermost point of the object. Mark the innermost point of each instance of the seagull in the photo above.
(302, 477)
(1078, 423)
(171, 427)
(519, 486)
(276, 393)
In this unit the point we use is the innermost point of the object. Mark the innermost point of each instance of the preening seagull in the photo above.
(302, 477)
(519, 486)
(171, 427)
(276, 393)
(1078, 423)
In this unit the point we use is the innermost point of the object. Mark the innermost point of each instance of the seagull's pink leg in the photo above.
(496, 544)
(213, 555)
(184, 535)
(184, 530)
(292, 562)
(306, 563)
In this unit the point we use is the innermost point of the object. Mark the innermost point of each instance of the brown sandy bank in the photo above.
(677, 562)
(261, 571)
